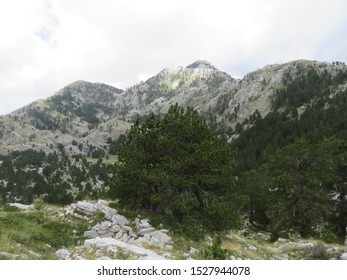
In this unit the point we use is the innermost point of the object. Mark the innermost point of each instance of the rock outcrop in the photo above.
(115, 230)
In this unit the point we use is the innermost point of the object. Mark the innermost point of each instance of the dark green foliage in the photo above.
(215, 251)
(175, 166)
(295, 177)
(324, 116)
(43, 120)
(31, 174)
(97, 153)
(116, 145)
(302, 187)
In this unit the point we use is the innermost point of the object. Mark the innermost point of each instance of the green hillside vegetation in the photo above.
(293, 166)
(27, 175)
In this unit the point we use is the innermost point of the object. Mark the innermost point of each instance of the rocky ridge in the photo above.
(92, 112)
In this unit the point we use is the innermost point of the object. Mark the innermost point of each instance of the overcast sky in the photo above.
(47, 44)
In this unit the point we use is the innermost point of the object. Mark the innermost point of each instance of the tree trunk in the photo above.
(341, 233)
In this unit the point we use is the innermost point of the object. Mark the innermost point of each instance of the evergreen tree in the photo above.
(296, 180)
(175, 166)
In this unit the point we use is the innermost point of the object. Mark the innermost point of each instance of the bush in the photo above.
(215, 252)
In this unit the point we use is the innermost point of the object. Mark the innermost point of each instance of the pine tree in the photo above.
(175, 166)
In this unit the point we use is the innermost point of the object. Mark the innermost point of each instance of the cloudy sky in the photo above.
(47, 44)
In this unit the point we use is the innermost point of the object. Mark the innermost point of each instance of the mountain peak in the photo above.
(201, 64)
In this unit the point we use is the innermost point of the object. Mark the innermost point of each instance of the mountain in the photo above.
(92, 112)
(90, 120)
(285, 125)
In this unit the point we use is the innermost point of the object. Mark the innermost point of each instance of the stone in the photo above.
(333, 250)
(86, 207)
(128, 229)
(21, 206)
(105, 225)
(233, 258)
(283, 247)
(102, 202)
(282, 240)
(162, 237)
(107, 234)
(119, 234)
(125, 237)
(146, 230)
(168, 247)
(263, 236)
(115, 228)
(144, 223)
(305, 245)
(252, 248)
(8, 255)
(104, 258)
(108, 242)
(343, 256)
(112, 250)
(63, 254)
(121, 220)
(193, 251)
(90, 234)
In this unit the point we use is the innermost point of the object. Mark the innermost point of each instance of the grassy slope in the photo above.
(38, 234)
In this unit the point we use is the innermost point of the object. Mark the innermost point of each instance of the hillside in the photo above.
(285, 124)
(87, 230)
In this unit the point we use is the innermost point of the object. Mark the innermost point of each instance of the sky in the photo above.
(47, 44)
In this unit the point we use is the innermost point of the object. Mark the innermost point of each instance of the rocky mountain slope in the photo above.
(92, 113)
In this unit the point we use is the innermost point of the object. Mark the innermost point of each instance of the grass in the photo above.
(37, 234)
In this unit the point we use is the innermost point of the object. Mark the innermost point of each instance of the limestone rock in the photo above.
(193, 251)
(252, 248)
(343, 256)
(63, 254)
(90, 234)
(111, 242)
(21, 206)
(305, 245)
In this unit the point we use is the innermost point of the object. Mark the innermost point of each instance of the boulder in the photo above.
(305, 245)
(21, 206)
(283, 247)
(86, 207)
(63, 254)
(90, 234)
(144, 223)
(343, 256)
(146, 230)
(111, 242)
(119, 234)
(252, 248)
(193, 251)
(114, 228)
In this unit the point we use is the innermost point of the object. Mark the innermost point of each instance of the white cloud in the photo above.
(46, 44)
